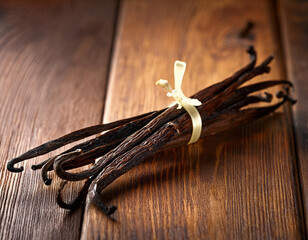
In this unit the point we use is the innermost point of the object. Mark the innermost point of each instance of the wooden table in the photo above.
(65, 65)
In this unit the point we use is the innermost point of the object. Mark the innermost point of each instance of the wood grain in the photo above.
(237, 185)
(294, 26)
(54, 59)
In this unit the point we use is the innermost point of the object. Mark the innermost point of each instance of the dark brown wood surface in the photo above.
(240, 184)
(294, 26)
(54, 61)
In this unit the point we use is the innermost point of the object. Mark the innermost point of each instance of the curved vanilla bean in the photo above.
(88, 157)
(39, 165)
(44, 171)
(284, 95)
(128, 160)
(75, 203)
(244, 91)
(69, 138)
(262, 85)
(66, 156)
(61, 165)
(116, 134)
(95, 199)
(237, 118)
(249, 100)
(220, 86)
(214, 103)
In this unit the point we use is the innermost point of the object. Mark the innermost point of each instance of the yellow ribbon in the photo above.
(187, 103)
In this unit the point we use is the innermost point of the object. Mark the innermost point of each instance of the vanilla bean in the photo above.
(79, 200)
(128, 160)
(246, 32)
(244, 91)
(45, 168)
(72, 137)
(39, 165)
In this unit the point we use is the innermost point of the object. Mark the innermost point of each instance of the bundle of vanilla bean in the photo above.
(126, 143)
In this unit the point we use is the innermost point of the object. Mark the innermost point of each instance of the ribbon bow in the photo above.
(187, 103)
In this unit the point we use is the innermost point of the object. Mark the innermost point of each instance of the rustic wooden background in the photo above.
(65, 65)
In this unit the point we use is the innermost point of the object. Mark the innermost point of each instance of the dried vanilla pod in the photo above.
(126, 143)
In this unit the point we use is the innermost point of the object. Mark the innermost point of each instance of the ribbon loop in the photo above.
(179, 70)
(187, 103)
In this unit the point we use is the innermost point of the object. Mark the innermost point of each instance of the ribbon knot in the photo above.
(187, 103)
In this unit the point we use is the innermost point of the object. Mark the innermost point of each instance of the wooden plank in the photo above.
(294, 25)
(238, 185)
(54, 60)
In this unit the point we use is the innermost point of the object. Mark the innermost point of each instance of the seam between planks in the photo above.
(111, 54)
(107, 77)
(275, 5)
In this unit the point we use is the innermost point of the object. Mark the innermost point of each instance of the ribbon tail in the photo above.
(196, 122)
